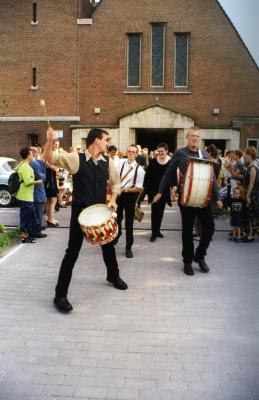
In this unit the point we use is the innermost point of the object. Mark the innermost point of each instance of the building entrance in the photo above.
(150, 138)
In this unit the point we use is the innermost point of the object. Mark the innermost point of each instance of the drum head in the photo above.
(95, 215)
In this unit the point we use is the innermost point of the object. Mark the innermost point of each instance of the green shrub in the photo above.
(8, 235)
(4, 241)
(2, 228)
(13, 233)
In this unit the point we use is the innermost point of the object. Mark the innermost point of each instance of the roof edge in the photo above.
(238, 34)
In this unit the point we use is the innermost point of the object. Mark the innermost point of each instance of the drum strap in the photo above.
(127, 173)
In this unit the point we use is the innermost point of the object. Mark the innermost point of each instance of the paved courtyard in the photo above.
(168, 337)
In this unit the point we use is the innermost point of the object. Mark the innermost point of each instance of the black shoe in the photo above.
(118, 283)
(40, 235)
(160, 235)
(62, 304)
(202, 263)
(57, 207)
(153, 238)
(188, 269)
(129, 253)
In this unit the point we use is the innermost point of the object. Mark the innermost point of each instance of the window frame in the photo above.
(257, 146)
(34, 77)
(31, 137)
(175, 60)
(151, 53)
(140, 58)
(34, 20)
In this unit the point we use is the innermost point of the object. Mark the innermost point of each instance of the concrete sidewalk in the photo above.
(168, 337)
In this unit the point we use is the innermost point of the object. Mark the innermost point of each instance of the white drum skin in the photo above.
(197, 183)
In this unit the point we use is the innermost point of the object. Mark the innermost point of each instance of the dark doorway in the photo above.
(150, 138)
(220, 144)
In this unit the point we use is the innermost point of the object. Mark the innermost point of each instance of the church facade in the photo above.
(145, 71)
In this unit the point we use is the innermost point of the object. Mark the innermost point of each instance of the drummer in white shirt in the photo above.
(132, 178)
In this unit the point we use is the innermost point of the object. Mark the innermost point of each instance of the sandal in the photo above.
(51, 224)
(247, 240)
(29, 240)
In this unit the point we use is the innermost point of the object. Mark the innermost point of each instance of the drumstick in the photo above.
(43, 105)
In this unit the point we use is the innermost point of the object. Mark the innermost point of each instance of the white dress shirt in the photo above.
(128, 181)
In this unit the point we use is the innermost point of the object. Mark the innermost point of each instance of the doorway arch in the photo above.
(154, 118)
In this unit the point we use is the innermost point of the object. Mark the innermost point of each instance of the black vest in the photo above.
(90, 182)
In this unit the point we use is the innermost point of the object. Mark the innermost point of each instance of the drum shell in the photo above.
(197, 183)
(101, 233)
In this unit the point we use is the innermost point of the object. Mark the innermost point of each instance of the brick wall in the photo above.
(51, 47)
(14, 136)
(221, 71)
(83, 67)
(248, 131)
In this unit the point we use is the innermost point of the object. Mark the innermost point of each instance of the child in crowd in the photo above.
(237, 208)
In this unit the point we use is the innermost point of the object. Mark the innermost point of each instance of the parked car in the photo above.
(7, 166)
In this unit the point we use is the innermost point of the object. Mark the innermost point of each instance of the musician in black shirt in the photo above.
(179, 160)
(91, 171)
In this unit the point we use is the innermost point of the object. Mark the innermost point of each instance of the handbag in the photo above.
(139, 213)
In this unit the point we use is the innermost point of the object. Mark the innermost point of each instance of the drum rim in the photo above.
(95, 206)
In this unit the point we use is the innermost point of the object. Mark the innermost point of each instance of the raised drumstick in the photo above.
(43, 105)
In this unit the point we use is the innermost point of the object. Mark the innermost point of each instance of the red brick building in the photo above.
(144, 70)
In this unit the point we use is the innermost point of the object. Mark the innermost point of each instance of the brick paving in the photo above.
(168, 337)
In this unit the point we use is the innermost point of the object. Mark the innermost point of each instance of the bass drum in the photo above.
(98, 224)
(197, 183)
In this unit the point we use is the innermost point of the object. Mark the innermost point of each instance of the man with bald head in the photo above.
(188, 214)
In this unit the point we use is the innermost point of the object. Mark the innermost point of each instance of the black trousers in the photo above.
(157, 212)
(76, 238)
(207, 225)
(126, 202)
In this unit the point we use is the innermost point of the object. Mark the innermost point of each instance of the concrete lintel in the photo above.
(84, 21)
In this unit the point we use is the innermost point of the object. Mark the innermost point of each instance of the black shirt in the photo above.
(237, 206)
(90, 182)
(179, 160)
(153, 177)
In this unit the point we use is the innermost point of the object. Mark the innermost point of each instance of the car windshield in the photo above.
(9, 166)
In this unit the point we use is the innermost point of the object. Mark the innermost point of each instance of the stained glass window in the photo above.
(181, 59)
(157, 78)
(134, 59)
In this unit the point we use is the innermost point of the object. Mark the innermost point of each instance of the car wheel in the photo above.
(6, 200)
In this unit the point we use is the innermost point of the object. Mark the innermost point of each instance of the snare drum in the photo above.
(197, 183)
(98, 224)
